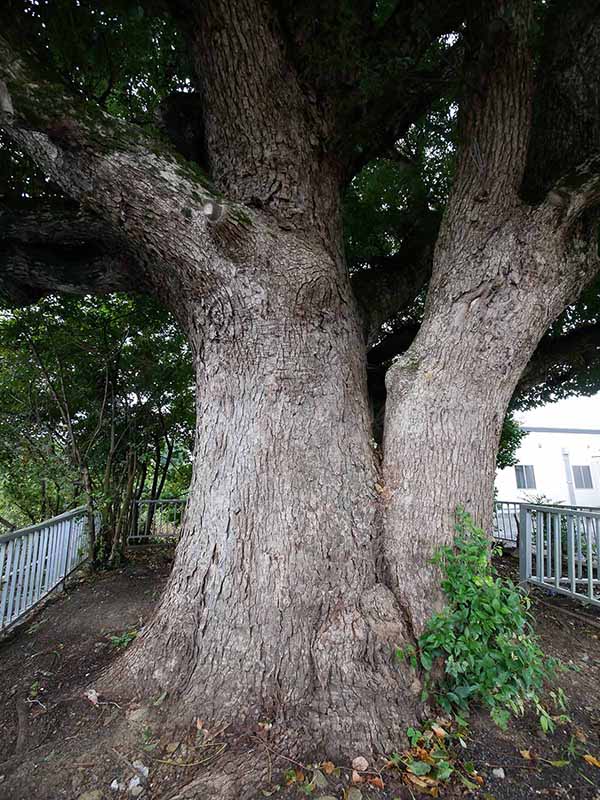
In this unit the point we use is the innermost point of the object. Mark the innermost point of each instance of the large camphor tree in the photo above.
(305, 556)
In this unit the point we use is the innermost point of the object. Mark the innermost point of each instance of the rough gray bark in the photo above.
(502, 272)
(43, 250)
(286, 601)
(274, 610)
(448, 395)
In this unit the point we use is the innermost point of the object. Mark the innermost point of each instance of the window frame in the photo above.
(584, 473)
(527, 479)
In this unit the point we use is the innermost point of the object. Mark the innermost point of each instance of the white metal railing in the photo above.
(505, 523)
(507, 518)
(156, 521)
(35, 560)
(559, 550)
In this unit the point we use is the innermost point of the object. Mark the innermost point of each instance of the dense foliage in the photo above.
(510, 438)
(482, 648)
(96, 405)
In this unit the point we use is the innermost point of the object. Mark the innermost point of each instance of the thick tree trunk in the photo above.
(497, 287)
(286, 602)
(274, 610)
(502, 272)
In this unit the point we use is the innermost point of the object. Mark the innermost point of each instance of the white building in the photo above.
(562, 465)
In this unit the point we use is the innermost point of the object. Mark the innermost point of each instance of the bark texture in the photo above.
(44, 250)
(448, 395)
(502, 272)
(274, 610)
(288, 597)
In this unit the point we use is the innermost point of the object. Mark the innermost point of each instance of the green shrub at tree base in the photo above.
(482, 649)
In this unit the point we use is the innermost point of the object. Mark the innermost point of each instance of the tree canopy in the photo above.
(308, 187)
(398, 176)
(98, 391)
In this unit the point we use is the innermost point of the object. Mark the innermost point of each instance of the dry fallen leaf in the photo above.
(439, 731)
(376, 782)
(328, 767)
(592, 760)
(92, 696)
(428, 787)
(420, 754)
(526, 754)
(360, 764)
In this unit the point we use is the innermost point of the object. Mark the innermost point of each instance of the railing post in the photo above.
(68, 548)
(571, 551)
(135, 519)
(524, 545)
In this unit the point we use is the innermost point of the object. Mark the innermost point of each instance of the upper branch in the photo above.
(135, 182)
(390, 283)
(376, 76)
(51, 250)
(562, 361)
(398, 104)
(496, 112)
(566, 108)
(564, 155)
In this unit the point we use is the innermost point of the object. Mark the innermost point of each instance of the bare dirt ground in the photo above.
(57, 744)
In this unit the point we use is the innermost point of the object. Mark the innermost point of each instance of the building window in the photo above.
(525, 476)
(582, 477)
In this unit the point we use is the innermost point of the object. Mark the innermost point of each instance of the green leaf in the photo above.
(419, 767)
(443, 770)
(160, 699)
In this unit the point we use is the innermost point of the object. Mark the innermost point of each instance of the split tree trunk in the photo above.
(286, 603)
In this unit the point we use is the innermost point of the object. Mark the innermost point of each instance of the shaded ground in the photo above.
(57, 744)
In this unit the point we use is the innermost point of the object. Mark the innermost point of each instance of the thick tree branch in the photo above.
(391, 283)
(496, 111)
(377, 76)
(113, 168)
(558, 359)
(392, 344)
(564, 152)
(53, 250)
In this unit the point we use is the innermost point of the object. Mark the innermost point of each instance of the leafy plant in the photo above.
(434, 758)
(510, 439)
(124, 640)
(482, 648)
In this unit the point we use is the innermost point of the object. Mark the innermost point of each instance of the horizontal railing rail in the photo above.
(507, 516)
(156, 521)
(559, 550)
(36, 560)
